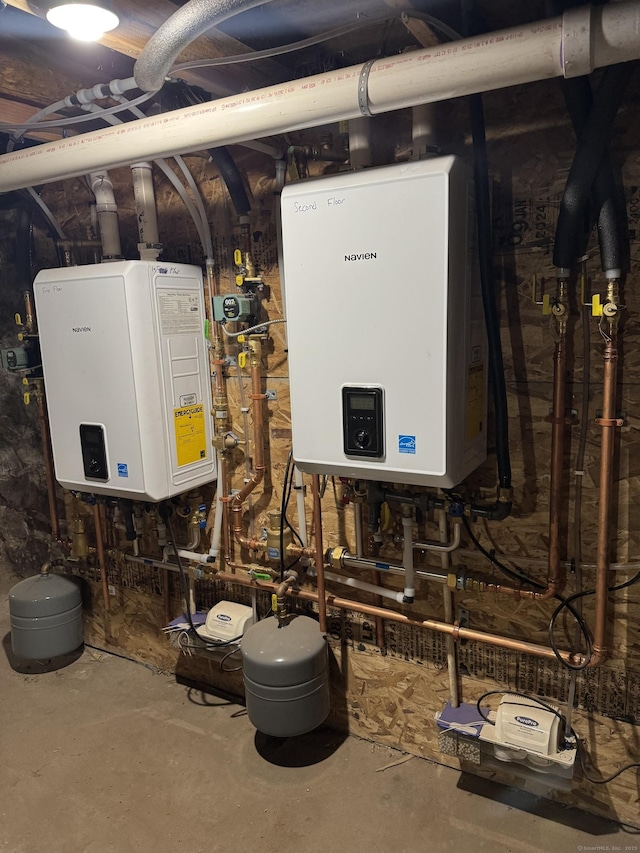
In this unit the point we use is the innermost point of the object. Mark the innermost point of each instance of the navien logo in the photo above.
(363, 256)
(80, 329)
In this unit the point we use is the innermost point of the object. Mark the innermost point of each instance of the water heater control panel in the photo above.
(363, 421)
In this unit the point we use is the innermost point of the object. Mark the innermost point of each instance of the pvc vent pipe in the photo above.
(511, 57)
(102, 188)
(145, 200)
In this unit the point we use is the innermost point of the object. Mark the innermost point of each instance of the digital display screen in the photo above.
(363, 402)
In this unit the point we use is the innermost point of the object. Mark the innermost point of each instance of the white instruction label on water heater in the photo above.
(179, 312)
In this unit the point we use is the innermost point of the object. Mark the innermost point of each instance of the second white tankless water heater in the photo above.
(127, 377)
(385, 326)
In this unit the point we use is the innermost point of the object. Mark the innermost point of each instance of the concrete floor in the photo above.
(105, 756)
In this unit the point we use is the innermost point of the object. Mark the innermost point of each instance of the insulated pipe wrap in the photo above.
(184, 26)
(586, 163)
(604, 193)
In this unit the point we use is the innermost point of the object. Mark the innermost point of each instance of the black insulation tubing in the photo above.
(586, 163)
(222, 159)
(604, 202)
(492, 320)
(230, 174)
(471, 25)
(23, 246)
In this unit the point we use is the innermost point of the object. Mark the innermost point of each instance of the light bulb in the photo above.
(83, 22)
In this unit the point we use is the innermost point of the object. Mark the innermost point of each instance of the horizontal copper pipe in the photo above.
(429, 624)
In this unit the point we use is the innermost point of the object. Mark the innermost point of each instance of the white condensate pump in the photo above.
(226, 622)
(528, 734)
(127, 377)
(385, 326)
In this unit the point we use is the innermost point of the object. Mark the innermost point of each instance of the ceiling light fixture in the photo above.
(83, 21)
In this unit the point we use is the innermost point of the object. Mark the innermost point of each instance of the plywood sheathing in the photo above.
(393, 698)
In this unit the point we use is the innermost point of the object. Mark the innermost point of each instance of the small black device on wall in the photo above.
(363, 421)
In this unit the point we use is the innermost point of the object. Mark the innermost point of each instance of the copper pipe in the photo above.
(558, 429)
(257, 398)
(29, 321)
(97, 521)
(429, 624)
(317, 530)
(45, 437)
(608, 422)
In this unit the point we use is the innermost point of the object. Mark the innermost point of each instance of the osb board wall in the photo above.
(393, 697)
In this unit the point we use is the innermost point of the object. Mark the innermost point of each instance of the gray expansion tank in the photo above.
(286, 676)
(46, 617)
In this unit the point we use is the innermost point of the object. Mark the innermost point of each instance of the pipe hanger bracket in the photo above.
(363, 88)
(577, 52)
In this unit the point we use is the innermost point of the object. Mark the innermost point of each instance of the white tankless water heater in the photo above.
(386, 339)
(127, 377)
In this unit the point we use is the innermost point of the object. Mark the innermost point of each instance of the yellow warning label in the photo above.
(191, 434)
(475, 400)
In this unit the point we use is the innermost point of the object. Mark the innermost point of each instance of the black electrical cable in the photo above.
(228, 655)
(514, 575)
(579, 746)
(567, 602)
(542, 704)
(606, 779)
(282, 510)
(290, 488)
(287, 485)
(522, 578)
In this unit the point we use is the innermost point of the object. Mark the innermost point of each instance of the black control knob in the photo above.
(363, 439)
(94, 466)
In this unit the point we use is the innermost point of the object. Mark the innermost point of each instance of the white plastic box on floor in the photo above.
(127, 377)
(385, 328)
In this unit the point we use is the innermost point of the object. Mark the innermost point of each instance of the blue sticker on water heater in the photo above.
(123, 469)
(406, 444)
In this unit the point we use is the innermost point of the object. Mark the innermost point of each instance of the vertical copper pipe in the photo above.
(29, 320)
(257, 398)
(317, 528)
(608, 422)
(558, 431)
(47, 453)
(97, 521)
